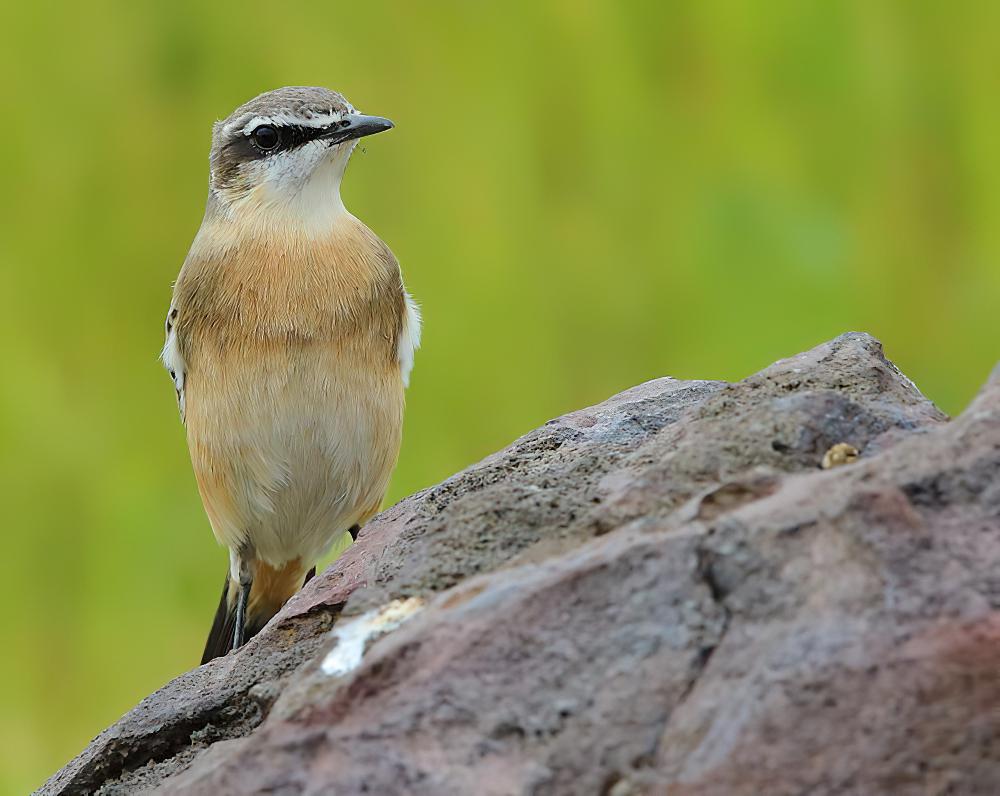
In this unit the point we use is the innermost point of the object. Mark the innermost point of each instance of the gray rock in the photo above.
(664, 593)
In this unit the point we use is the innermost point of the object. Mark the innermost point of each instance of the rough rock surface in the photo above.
(664, 593)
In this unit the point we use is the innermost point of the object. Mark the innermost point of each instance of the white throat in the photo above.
(299, 188)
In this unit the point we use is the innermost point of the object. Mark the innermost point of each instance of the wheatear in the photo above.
(290, 339)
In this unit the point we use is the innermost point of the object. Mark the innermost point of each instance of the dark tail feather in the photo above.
(220, 638)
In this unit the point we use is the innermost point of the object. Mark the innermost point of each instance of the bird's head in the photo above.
(285, 153)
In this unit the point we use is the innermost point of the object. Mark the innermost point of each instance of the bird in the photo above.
(290, 338)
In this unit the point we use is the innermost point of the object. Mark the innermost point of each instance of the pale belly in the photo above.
(291, 449)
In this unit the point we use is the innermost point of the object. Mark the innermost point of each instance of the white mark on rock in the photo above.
(354, 636)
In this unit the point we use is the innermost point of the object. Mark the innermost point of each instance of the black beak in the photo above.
(356, 125)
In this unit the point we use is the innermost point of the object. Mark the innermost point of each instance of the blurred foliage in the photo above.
(583, 196)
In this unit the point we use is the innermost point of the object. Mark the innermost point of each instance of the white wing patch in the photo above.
(172, 359)
(409, 339)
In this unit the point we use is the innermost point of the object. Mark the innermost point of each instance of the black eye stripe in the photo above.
(291, 136)
(302, 135)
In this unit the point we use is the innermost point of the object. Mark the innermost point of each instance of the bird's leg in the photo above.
(354, 530)
(242, 574)
(239, 632)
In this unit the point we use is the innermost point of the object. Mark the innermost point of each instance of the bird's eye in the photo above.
(266, 137)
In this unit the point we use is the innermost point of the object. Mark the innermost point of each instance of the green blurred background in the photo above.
(583, 196)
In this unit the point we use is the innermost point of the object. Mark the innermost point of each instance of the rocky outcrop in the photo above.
(664, 593)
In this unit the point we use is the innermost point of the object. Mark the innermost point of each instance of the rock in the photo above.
(664, 593)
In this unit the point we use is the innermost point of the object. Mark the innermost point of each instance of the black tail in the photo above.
(220, 637)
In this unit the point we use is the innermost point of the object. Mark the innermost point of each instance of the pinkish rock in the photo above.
(664, 593)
